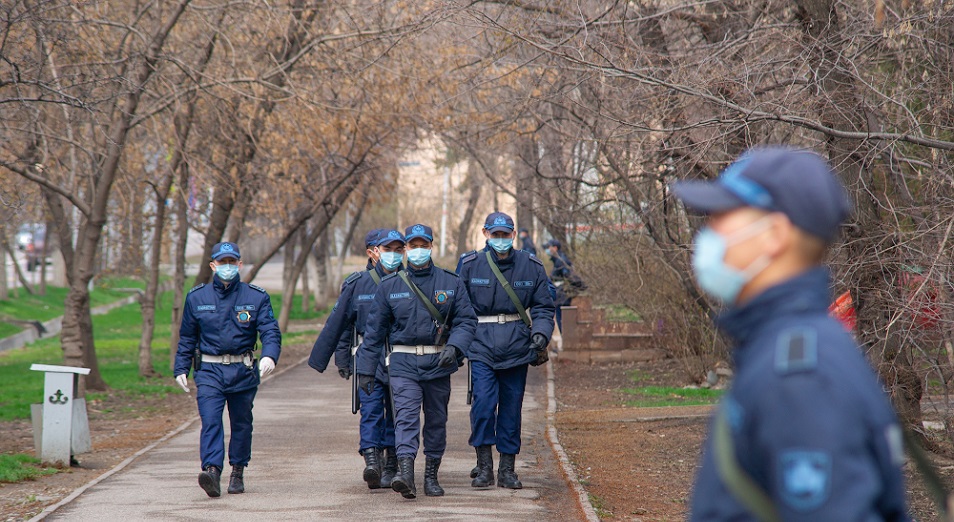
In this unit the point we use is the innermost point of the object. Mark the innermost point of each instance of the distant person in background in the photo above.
(560, 275)
(526, 242)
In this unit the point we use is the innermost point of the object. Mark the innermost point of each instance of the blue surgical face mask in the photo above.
(391, 260)
(500, 244)
(714, 276)
(419, 256)
(227, 272)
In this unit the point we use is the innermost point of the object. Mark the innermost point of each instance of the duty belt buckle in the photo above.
(227, 359)
(420, 349)
(501, 318)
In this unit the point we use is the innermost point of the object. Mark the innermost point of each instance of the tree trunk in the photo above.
(18, 269)
(178, 281)
(43, 255)
(223, 201)
(148, 300)
(475, 187)
(4, 291)
(305, 288)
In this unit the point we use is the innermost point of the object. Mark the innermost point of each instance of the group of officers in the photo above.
(403, 329)
(400, 328)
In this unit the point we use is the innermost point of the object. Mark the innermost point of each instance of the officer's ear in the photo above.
(486, 233)
(781, 237)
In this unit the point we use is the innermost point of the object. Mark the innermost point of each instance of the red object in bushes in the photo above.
(843, 309)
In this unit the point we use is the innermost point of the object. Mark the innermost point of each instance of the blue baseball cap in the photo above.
(372, 237)
(498, 222)
(552, 242)
(390, 235)
(225, 249)
(797, 183)
(418, 230)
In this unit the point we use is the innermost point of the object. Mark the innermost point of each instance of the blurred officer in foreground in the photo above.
(805, 432)
(560, 275)
(341, 335)
(509, 291)
(220, 325)
(526, 242)
(424, 315)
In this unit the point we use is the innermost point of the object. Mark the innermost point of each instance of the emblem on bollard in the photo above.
(59, 398)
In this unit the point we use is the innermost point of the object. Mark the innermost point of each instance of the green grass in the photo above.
(655, 396)
(45, 307)
(620, 314)
(117, 341)
(17, 467)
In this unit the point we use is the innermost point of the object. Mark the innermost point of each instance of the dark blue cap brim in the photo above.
(499, 228)
(386, 241)
(220, 255)
(706, 197)
(422, 236)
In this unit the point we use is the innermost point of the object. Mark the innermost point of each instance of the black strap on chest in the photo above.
(507, 288)
(424, 300)
(735, 479)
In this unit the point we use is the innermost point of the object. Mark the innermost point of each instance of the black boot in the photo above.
(390, 467)
(403, 482)
(372, 468)
(506, 477)
(209, 481)
(236, 480)
(476, 469)
(431, 487)
(485, 468)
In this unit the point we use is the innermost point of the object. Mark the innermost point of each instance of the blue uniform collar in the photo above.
(370, 265)
(807, 292)
(420, 272)
(221, 288)
(507, 261)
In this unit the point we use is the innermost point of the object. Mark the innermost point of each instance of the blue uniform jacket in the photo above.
(398, 316)
(506, 345)
(562, 267)
(809, 420)
(351, 311)
(222, 319)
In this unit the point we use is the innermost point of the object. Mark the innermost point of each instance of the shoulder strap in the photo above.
(506, 286)
(375, 276)
(740, 484)
(420, 295)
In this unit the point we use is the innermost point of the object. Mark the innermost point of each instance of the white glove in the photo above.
(266, 366)
(183, 382)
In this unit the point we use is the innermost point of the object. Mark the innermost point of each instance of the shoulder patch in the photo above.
(352, 278)
(536, 259)
(256, 287)
(467, 257)
(194, 288)
(392, 275)
(796, 351)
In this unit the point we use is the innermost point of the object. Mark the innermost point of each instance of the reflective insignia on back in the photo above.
(805, 477)
(796, 351)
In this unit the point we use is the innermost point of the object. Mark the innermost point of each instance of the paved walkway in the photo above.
(306, 466)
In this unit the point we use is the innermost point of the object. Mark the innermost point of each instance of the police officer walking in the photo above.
(805, 432)
(424, 315)
(220, 324)
(341, 336)
(509, 291)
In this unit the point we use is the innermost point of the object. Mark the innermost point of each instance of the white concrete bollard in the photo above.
(64, 430)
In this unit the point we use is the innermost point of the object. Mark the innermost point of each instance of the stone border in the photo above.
(124, 464)
(569, 474)
(55, 325)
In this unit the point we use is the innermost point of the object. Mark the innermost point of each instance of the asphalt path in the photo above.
(305, 466)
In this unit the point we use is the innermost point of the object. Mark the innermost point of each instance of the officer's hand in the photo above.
(345, 372)
(448, 356)
(538, 342)
(542, 357)
(266, 366)
(183, 382)
(366, 383)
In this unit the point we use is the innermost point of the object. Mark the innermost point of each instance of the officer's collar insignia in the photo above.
(440, 297)
(243, 316)
(418, 229)
(500, 220)
(805, 478)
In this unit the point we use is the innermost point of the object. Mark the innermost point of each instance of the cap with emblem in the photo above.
(371, 238)
(389, 235)
(225, 249)
(552, 242)
(797, 183)
(422, 231)
(498, 222)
